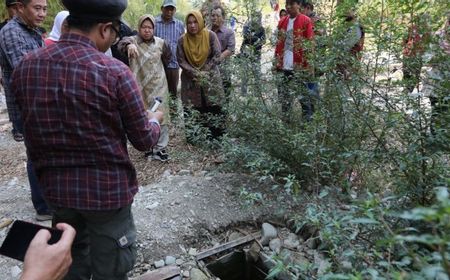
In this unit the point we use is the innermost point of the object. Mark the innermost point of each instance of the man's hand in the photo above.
(50, 262)
(159, 115)
(132, 51)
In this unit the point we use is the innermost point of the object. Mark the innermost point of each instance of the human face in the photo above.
(217, 18)
(292, 8)
(33, 13)
(283, 14)
(146, 30)
(168, 12)
(192, 25)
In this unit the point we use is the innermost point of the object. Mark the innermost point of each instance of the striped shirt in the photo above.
(226, 38)
(79, 107)
(16, 40)
(170, 32)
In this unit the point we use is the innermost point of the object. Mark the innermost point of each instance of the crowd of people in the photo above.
(79, 96)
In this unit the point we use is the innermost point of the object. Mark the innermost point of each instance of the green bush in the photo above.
(368, 135)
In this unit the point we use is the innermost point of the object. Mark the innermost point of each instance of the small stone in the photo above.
(312, 243)
(322, 263)
(152, 206)
(185, 274)
(291, 241)
(268, 232)
(179, 261)
(13, 182)
(275, 245)
(345, 207)
(159, 264)
(170, 260)
(167, 173)
(184, 172)
(192, 252)
(300, 259)
(197, 274)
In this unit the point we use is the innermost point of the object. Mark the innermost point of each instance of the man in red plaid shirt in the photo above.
(79, 108)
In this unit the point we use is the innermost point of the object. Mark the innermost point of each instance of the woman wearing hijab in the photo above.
(57, 28)
(198, 54)
(147, 56)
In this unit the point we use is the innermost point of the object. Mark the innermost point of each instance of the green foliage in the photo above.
(250, 198)
(379, 242)
(369, 134)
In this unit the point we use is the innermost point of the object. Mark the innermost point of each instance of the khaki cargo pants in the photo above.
(104, 246)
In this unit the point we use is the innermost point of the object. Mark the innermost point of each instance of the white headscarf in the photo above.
(56, 30)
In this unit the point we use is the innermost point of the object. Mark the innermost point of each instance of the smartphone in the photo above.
(19, 238)
(157, 101)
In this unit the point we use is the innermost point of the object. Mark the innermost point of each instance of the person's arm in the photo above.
(142, 132)
(49, 262)
(123, 44)
(15, 46)
(127, 45)
(215, 52)
(231, 46)
(166, 54)
(182, 61)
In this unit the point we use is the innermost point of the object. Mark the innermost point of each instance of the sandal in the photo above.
(18, 137)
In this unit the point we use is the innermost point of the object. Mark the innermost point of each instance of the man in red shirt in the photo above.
(294, 31)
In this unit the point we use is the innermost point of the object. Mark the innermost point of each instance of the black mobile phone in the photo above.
(19, 238)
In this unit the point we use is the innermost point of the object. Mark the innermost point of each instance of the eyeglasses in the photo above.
(117, 35)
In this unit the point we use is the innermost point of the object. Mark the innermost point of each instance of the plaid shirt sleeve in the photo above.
(134, 116)
(16, 45)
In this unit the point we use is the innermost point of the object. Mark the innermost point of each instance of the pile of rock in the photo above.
(297, 250)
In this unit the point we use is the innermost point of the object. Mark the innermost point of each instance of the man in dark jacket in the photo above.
(254, 37)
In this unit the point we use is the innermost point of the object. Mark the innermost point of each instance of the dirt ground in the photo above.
(184, 203)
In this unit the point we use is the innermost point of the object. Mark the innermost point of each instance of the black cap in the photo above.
(11, 2)
(101, 10)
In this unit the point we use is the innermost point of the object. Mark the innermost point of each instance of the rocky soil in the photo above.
(184, 204)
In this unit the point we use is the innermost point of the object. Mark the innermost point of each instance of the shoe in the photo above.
(148, 154)
(43, 217)
(18, 137)
(161, 156)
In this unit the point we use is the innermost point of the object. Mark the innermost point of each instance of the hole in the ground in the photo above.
(234, 266)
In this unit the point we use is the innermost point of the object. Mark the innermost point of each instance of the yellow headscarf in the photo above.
(196, 47)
